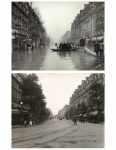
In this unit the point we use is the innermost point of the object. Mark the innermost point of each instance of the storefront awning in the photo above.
(15, 111)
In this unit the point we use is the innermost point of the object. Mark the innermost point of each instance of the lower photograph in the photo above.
(58, 110)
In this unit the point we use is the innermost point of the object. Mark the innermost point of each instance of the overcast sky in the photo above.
(58, 88)
(58, 16)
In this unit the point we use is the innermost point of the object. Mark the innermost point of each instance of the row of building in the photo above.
(81, 95)
(62, 113)
(88, 26)
(27, 28)
(66, 37)
(89, 23)
(19, 110)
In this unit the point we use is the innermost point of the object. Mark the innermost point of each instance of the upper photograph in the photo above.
(58, 35)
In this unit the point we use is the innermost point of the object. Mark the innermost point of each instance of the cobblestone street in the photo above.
(59, 134)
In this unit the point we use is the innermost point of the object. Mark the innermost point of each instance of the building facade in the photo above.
(20, 111)
(16, 97)
(27, 28)
(89, 23)
(84, 91)
(66, 37)
(62, 112)
(16, 90)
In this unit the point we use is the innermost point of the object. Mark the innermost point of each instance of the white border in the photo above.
(110, 74)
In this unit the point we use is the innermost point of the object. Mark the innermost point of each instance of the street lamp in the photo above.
(21, 104)
(21, 112)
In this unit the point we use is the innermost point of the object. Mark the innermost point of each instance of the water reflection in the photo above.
(46, 59)
(28, 60)
(64, 54)
(83, 61)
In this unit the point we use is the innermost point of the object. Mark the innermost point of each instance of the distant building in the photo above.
(66, 37)
(89, 23)
(62, 112)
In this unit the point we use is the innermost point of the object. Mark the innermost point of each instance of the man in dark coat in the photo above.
(97, 48)
(74, 119)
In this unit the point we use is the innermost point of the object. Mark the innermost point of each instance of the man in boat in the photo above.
(74, 119)
(56, 45)
(60, 46)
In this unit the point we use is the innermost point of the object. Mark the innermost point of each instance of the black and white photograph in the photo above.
(58, 110)
(57, 35)
(58, 75)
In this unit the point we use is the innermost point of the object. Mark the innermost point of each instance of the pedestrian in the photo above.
(30, 123)
(97, 48)
(25, 123)
(74, 121)
(56, 44)
(101, 49)
(32, 48)
(60, 46)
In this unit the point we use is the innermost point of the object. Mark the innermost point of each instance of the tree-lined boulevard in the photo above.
(78, 124)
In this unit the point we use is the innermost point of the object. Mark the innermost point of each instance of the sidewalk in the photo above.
(89, 51)
(18, 126)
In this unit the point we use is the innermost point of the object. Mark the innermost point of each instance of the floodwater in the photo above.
(46, 59)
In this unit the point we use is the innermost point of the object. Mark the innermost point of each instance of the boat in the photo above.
(63, 50)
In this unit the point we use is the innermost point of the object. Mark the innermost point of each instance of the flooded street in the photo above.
(46, 59)
(57, 74)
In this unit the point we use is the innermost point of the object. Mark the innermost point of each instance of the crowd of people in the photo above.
(65, 46)
(28, 123)
(98, 47)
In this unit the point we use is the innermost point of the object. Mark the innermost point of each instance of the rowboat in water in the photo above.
(63, 50)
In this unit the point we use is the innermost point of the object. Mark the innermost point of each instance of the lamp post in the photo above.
(21, 104)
